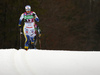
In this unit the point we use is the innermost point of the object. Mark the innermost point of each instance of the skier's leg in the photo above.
(35, 41)
(27, 38)
(32, 35)
(29, 45)
(26, 42)
(32, 42)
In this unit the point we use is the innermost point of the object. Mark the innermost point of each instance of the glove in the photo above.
(39, 35)
(19, 26)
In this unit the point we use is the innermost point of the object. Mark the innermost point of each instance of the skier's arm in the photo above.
(20, 20)
(36, 17)
(39, 31)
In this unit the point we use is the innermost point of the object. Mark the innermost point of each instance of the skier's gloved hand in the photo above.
(19, 26)
(39, 35)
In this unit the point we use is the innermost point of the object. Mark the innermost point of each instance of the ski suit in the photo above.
(38, 32)
(29, 26)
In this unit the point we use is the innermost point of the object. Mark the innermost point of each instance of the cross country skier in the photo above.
(29, 22)
(38, 32)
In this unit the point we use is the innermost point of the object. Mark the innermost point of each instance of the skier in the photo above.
(38, 32)
(29, 25)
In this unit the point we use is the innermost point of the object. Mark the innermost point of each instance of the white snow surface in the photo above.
(49, 62)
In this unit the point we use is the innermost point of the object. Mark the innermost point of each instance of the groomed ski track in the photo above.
(49, 62)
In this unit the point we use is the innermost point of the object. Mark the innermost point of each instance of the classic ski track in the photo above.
(43, 62)
(21, 63)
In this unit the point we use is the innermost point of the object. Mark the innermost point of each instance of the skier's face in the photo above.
(28, 11)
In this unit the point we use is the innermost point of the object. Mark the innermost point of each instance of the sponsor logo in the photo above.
(28, 17)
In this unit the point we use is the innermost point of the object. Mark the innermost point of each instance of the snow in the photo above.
(49, 62)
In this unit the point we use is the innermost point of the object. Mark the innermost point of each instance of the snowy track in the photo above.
(42, 62)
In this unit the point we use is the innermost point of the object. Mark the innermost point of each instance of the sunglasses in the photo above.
(27, 9)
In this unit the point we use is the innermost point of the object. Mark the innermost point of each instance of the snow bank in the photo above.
(42, 62)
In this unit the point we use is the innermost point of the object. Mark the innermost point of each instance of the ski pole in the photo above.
(20, 38)
(40, 42)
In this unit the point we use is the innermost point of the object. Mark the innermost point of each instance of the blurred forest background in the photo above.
(65, 24)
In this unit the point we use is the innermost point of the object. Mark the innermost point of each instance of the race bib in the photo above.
(28, 18)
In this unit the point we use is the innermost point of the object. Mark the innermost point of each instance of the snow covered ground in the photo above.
(44, 62)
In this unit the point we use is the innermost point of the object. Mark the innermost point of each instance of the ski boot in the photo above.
(33, 46)
(26, 48)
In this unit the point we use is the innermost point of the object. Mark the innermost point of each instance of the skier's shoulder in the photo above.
(33, 12)
(22, 13)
